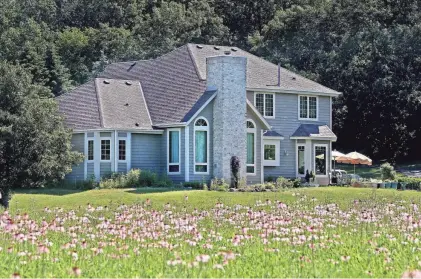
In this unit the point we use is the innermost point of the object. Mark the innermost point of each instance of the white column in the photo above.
(187, 153)
(97, 155)
(129, 151)
(85, 160)
(262, 168)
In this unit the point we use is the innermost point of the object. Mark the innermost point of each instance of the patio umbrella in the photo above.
(355, 158)
(335, 155)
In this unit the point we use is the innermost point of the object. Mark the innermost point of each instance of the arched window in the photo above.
(251, 147)
(201, 146)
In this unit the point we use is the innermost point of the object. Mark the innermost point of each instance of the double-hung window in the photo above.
(173, 140)
(265, 104)
(251, 148)
(308, 106)
(201, 146)
(105, 149)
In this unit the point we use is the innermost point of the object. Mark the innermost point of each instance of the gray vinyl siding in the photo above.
(104, 168)
(122, 167)
(147, 152)
(176, 178)
(91, 170)
(286, 122)
(208, 114)
(77, 173)
(253, 179)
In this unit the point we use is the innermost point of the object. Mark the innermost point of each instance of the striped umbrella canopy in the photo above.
(355, 158)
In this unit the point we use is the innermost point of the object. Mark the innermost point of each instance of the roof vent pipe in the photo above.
(279, 74)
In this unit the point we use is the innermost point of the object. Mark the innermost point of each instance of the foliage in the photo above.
(219, 184)
(388, 172)
(35, 146)
(282, 183)
(122, 180)
(198, 185)
(296, 183)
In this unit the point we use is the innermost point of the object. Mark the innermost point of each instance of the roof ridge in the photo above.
(196, 67)
(98, 99)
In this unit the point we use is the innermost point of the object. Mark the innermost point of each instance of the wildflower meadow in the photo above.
(304, 233)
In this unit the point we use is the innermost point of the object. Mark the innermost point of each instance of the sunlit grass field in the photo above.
(315, 232)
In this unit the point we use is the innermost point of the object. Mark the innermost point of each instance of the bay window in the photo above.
(173, 149)
(251, 148)
(308, 106)
(201, 146)
(265, 104)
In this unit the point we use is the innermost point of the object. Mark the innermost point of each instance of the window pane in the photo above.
(269, 105)
(250, 169)
(270, 152)
(303, 107)
(122, 150)
(301, 163)
(90, 150)
(320, 160)
(174, 140)
(201, 147)
(312, 107)
(201, 122)
(105, 150)
(260, 105)
(250, 148)
(250, 125)
(202, 168)
(174, 168)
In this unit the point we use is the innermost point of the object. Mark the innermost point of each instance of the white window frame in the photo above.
(264, 104)
(100, 149)
(296, 159)
(277, 144)
(206, 129)
(179, 152)
(326, 159)
(118, 149)
(93, 149)
(253, 131)
(308, 108)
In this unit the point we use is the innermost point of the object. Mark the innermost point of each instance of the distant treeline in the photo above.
(368, 49)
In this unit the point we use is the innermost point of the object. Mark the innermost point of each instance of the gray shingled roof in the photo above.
(172, 86)
(122, 104)
(272, 134)
(80, 107)
(209, 93)
(260, 73)
(314, 131)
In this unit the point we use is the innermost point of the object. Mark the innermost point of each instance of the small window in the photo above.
(105, 150)
(308, 108)
(271, 152)
(201, 122)
(90, 150)
(122, 150)
(264, 103)
(250, 125)
(173, 151)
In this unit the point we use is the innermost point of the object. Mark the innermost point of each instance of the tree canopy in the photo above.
(369, 50)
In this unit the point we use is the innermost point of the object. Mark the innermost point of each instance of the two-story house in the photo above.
(188, 112)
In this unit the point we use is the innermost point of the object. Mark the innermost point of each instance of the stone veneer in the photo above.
(228, 75)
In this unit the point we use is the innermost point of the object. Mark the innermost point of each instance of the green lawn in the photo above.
(313, 232)
(362, 170)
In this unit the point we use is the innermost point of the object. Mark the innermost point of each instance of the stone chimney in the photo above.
(228, 75)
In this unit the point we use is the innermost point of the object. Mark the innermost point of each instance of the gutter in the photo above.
(297, 92)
